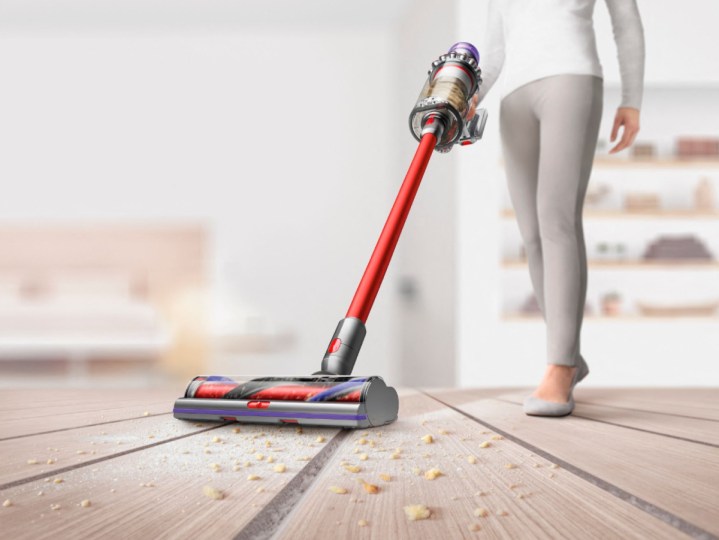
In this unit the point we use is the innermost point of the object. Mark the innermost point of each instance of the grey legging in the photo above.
(549, 133)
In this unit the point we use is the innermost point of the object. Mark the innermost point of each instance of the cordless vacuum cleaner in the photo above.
(332, 396)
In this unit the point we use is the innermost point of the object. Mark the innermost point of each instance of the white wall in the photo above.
(278, 141)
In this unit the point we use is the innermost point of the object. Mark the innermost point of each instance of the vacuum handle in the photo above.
(345, 344)
(377, 267)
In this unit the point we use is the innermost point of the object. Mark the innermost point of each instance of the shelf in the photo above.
(649, 214)
(636, 265)
(605, 162)
(520, 317)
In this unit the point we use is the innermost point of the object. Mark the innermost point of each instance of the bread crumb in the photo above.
(471, 459)
(520, 496)
(443, 432)
(485, 444)
(85, 503)
(394, 455)
(253, 477)
(554, 466)
(259, 457)
(473, 527)
(502, 513)
(237, 468)
(352, 468)
(213, 493)
(416, 512)
(385, 477)
(362, 523)
(268, 444)
(270, 459)
(510, 466)
(338, 490)
(207, 451)
(416, 471)
(215, 467)
(7, 503)
(32, 462)
(216, 439)
(428, 439)
(320, 438)
(236, 430)
(537, 465)
(363, 457)
(370, 488)
(55, 507)
(147, 485)
(146, 413)
(40, 493)
(432, 474)
(362, 441)
(58, 481)
(280, 468)
(51, 461)
(481, 512)
(496, 437)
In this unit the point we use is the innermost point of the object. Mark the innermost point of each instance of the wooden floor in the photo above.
(629, 464)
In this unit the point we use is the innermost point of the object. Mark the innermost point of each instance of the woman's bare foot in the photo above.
(555, 384)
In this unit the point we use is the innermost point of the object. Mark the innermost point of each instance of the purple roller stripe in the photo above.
(467, 47)
(272, 414)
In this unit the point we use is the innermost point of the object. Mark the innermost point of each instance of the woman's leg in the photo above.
(519, 127)
(569, 108)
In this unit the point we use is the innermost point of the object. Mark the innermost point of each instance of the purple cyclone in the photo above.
(466, 47)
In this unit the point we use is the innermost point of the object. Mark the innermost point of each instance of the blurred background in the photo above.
(196, 186)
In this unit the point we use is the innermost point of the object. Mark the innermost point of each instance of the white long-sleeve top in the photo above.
(532, 39)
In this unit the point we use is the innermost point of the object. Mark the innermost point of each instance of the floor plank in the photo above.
(461, 489)
(174, 506)
(678, 477)
(690, 429)
(44, 454)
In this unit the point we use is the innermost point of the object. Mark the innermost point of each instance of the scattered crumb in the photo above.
(353, 468)
(236, 430)
(416, 512)
(485, 444)
(496, 437)
(520, 495)
(280, 468)
(32, 462)
(537, 465)
(80, 452)
(432, 474)
(320, 438)
(416, 471)
(370, 488)
(481, 512)
(207, 451)
(268, 443)
(216, 439)
(443, 432)
(554, 466)
(147, 485)
(51, 461)
(363, 457)
(146, 413)
(253, 477)
(428, 439)
(85, 503)
(471, 459)
(395, 455)
(362, 523)
(510, 466)
(55, 507)
(213, 493)
(215, 467)
(338, 490)
(502, 513)
(7, 503)
(362, 441)
(270, 459)
(552, 475)
(40, 493)
(385, 477)
(303, 458)
(237, 468)
(473, 527)
(58, 481)
(259, 457)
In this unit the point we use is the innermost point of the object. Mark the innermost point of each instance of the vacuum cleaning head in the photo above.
(327, 400)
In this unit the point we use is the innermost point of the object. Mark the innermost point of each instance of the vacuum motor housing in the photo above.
(444, 103)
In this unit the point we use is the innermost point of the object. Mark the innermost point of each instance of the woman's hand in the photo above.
(628, 119)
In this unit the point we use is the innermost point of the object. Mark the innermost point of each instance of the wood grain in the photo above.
(679, 477)
(554, 503)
